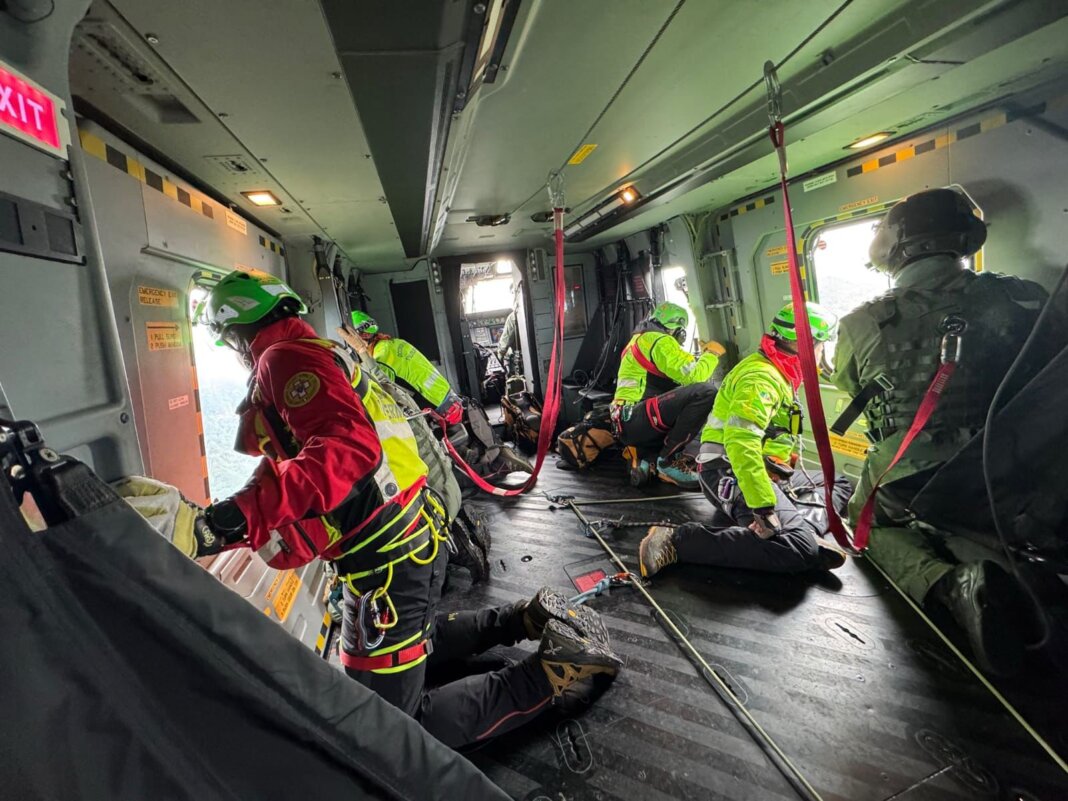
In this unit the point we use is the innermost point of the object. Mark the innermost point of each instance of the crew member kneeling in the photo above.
(403, 362)
(664, 393)
(753, 432)
(343, 481)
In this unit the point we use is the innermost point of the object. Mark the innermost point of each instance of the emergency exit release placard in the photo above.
(31, 113)
(163, 336)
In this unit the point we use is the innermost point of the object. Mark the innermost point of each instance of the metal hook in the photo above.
(555, 185)
(774, 90)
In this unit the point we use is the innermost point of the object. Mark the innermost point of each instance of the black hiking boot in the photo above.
(548, 604)
(569, 658)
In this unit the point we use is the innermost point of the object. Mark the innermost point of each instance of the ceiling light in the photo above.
(867, 141)
(262, 197)
(629, 195)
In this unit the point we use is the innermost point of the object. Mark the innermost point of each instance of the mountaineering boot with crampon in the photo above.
(831, 557)
(548, 604)
(680, 469)
(569, 658)
(989, 605)
(657, 550)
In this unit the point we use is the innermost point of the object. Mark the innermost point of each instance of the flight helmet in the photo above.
(928, 223)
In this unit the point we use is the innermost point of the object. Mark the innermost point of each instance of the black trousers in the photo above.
(668, 421)
(472, 709)
(733, 544)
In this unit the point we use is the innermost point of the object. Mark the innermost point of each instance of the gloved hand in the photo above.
(353, 340)
(222, 524)
(164, 507)
(713, 347)
(765, 523)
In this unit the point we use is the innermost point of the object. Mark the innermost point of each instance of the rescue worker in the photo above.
(749, 448)
(887, 356)
(403, 362)
(664, 393)
(343, 481)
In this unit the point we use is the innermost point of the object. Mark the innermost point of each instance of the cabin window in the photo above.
(676, 291)
(222, 383)
(839, 255)
(487, 287)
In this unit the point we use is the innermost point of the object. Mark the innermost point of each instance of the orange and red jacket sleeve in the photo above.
(339, 447)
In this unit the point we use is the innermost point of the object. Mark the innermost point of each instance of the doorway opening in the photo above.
(222, 382)
(491, 298)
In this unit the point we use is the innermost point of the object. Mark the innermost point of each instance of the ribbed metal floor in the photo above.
(849, 682)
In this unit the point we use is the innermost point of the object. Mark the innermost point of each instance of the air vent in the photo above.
(235, 165)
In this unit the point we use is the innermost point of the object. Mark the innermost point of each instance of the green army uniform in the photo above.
(898, 338)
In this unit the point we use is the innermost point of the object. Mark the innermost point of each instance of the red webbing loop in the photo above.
(806, 350)
(923, 414)
(384, 661)
(551, 409)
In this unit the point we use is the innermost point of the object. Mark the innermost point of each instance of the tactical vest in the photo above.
(912, 323)
(639, 378)
(383, 521)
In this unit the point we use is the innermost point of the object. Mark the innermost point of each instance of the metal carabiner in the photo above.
(774, 90)
(555, 184)
(952, 327)
(363, 626)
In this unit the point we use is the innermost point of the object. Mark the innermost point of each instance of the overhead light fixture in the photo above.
(629, 195)
(868, 141)
(262, 197)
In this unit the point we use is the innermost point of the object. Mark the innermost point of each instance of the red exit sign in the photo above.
(31, 114)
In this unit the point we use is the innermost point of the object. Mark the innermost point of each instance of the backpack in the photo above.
(522, 418)
(582, 444)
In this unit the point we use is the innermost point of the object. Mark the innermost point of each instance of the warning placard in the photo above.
(178, 403)
(858, 204)
(164, 336)
(780, 267)
(777, 251)
(156, 296)
(236, 222)
(582, 153)
(287, 594)
(850, 445)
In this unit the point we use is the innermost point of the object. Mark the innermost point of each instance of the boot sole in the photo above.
(585, 621)
(585, 660)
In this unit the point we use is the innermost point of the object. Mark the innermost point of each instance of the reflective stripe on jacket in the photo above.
(401, 361)
(635, 381)
(751, 420)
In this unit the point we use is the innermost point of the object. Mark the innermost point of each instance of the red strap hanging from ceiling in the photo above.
(805, 344)
(551, 409)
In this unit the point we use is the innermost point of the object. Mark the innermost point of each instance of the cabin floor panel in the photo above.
(848, 681)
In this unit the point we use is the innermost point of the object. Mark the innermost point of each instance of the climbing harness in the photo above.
(805, 344)
(551, 408)
(952, 339)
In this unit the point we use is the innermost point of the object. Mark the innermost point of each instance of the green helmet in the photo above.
(823, 324)
(244, 297)
(364, 323)
(672, 316)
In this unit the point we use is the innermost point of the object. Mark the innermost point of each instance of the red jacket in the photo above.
(332, 454)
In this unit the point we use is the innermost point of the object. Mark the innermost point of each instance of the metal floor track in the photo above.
(858, 692)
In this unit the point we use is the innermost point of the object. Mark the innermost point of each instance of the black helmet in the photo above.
(927, 223)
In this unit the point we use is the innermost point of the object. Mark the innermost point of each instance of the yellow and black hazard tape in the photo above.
(945, 140)
(752, 205)
(98, 148)
(324, 630)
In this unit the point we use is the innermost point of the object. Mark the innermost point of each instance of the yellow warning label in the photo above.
(154, 296)
(581, 154)
(780, 267)
(849, 445)
(163, 336)
(856, 204)
(287, 594)
(779, 251)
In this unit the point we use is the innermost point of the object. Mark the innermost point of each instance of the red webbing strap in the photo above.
(551, 408)
(646, 364)
(806, 350)
(923, 414)
(384, 661)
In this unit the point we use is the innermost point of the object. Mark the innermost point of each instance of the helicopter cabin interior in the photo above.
(394, 158)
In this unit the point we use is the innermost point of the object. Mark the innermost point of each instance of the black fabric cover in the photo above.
(128, 672)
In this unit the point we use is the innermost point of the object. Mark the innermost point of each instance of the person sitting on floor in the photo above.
(749, 446)
(663, 393)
